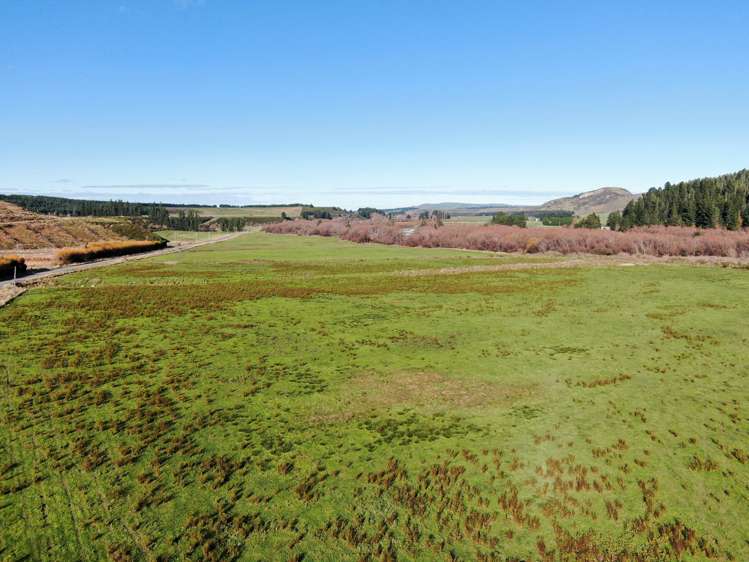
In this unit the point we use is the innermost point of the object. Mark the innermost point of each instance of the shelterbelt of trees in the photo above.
(63, 206)
(721, 201)
(157, 213)
(67, 207)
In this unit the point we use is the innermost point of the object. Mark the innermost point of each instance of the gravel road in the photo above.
(33, 278)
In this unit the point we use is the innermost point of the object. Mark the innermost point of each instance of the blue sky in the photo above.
(361, 102)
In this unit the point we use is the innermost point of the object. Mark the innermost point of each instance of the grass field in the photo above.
(188, 235)
(285, 398)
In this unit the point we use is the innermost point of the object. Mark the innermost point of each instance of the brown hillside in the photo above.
(603, 200)
(23, 230)
(13, 213)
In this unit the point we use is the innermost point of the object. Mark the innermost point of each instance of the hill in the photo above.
(602, 200)
(24, 230)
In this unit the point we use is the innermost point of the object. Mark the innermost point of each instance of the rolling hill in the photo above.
(602, 200)
(24, 230)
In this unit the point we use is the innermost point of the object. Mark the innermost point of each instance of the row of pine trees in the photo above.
(62, 206)
(721, 201)
(158, 215)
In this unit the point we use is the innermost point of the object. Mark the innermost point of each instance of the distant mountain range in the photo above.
(602, 200)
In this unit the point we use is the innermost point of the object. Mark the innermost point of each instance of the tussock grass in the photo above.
(97, 250)
(294, 405)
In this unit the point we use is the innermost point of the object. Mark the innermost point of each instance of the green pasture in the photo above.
(189, 235)
(288, 398)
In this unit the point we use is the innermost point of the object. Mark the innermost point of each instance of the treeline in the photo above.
(231, 224)
(236, 224)
(189, 220)
(157, 213)
(367, 212)
(436, 215)
(548, 218)
(721, 201)
(329, 212)
(510, 219)
(63, 206)
(554, 218)
(314, 214)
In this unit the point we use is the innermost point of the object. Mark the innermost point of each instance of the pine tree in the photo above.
(614, 221)
(706, 203)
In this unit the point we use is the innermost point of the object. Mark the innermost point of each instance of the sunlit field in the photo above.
(188, 235)
(277, 397)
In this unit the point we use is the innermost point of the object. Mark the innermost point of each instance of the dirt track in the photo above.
(34, 278)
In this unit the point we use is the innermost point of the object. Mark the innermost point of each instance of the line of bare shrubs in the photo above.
(10, 263)
(96, 250)
(652, 240)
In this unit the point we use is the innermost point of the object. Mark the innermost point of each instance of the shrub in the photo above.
(97, 250)
(652, 241)
(614, 221)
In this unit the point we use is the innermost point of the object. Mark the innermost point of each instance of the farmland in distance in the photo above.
(229, 212)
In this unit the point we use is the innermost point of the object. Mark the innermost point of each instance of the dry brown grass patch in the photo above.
(424, 390)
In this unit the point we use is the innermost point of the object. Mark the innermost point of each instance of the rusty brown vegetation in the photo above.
(647, 241)
(97, 250)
